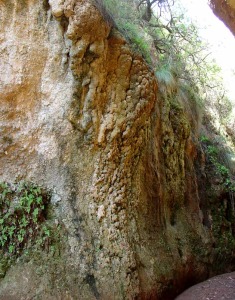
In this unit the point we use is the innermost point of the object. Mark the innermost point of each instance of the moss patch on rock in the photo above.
(24, 223)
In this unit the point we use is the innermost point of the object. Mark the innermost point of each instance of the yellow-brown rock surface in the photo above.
(80, 115)
(225, 10)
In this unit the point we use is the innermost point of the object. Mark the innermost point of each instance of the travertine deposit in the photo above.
(81, 116)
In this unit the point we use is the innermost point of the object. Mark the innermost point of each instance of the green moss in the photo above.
(4, 265)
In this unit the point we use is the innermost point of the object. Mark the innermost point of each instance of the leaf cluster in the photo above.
(171, 44)
(23, 209)
(216, 157)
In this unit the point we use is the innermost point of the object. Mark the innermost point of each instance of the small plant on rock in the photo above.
(22, 211)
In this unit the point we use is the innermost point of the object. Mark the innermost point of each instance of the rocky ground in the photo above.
(217, 288)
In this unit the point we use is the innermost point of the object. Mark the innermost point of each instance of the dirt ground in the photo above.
(216, 288)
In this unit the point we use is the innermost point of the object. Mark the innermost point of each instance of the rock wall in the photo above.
(225, 10)
(82, 117)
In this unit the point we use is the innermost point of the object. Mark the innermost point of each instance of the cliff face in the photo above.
(82, 117)
(225, 10)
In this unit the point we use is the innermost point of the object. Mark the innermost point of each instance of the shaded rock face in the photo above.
(225, 10)
(81, 116)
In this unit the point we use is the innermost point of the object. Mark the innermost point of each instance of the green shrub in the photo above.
(222, 170)
(212, 151)
(172, 44)
(204, 139)
(166, 79)
(216, 157)
(136, 36)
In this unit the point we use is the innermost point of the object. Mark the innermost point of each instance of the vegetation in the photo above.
(217, 157)
(223, 231)
(221, 201)
(170, 43)
(23, 224)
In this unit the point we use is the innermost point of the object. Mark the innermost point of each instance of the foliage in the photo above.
(23, 209)
(171, 44)
(216, 158)
(137, 38)
(223, 234)
(222, 212)
(166, 79)
(212, 151)
(127, 20)
(27, 229)
(204, 139)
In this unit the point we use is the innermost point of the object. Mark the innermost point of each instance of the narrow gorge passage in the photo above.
(117, 152)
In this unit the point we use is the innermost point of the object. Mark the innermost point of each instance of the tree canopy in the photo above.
(171, 45)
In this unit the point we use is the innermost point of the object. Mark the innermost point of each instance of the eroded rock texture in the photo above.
(80, 116)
